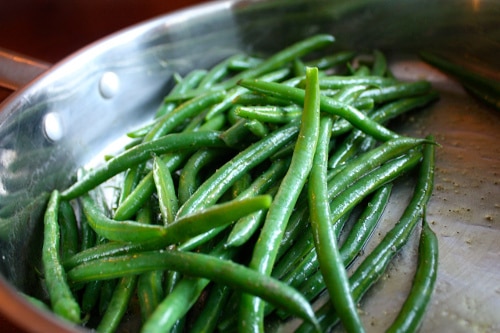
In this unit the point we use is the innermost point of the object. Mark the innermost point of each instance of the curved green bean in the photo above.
(69, 230)
(376, 262)
(183, 228)
(412, 312)
(265, 251)
(139, 154)
(117, 305)
(188, 179)
(200, 265)
(165, 189)
(211, 190)
(275, 61)
(327, 104)
(325, 241)
(63, 302)
(269, 114)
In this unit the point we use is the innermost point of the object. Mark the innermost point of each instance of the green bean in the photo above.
(246, 226)
(215, 123)
(90, 296)
(284, 56)
(125, 231)
(370, 160)
(149, 284)
(106, 293)
(139, 154)
(313, 285)
(364, 104)
(99, 247)
(358, 139)
(206, 321)
(376, 262)
(361, 70)
(200, 265)
(302, 259)
(399, 107)
(299, 261)
(168, 122)
(211, 190)
(330, 262)
(379, 63)
(296, 223)
(146, 186)
(238, 136)
(245, 63)
(108, 249)
(118, 304)
(224, 212)
(339, 81)
(189, 176)
(256, 99)
(398, 90)
(327, 104)
(388, 111)
(305, 156)
(219, 71)
(138, 134)
(132, 178)
(284, 153)
(36, 302)
(240, 186)
(241, 230)
(265, 251)
(413, 310)
(150, 292)
(91, 292)
(270, 114)
(165, 189)
(303, 242)
(68, 230)
(298, 67)
(366, 223)
(257, 128)
(182, 229)
(275, 61)
(355, 143)
(63, 302)
(332, 60)
(347, 199)
(189, 82)
(170, 313)
(175, 306)
(235, 93)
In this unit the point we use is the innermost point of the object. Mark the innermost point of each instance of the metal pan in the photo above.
(78, 110)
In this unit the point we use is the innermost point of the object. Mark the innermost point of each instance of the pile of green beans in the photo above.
(252, 191)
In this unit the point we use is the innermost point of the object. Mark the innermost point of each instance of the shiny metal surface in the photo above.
(37, 154)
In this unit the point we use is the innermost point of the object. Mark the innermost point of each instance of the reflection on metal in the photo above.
(53, 126)
(109, 84)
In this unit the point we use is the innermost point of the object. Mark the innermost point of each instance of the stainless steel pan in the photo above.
(80, 108)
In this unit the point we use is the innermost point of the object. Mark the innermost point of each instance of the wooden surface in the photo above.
(50, 30)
